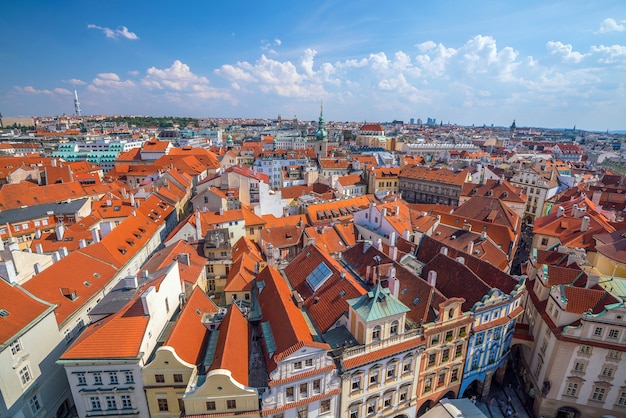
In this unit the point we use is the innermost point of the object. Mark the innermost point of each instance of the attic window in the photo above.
(4, 313)
(416, 301)
(342, 293)
(143, 231)
(96, 275)
(122, 250)
(318, 276)
(87, 284)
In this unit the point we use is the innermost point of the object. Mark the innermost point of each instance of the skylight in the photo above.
(4, 313)
(318, 276)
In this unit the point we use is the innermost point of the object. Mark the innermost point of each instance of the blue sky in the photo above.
(543, 63)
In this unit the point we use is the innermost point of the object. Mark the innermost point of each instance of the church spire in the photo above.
(320, 133)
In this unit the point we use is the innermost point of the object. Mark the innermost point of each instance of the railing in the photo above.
(351, 352)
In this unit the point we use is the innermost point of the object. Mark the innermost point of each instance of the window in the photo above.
(304, 390)
(302, 411)
(371, 407)
(572, 389)
(376, 333)
(406, 365)
(231, 404)
(459, 351)
(126, 402)
(289, 394)
(308, 362)
(441, 379)
(431, 359)
(544, 346)
(394, 328)
(110, 401)
(162, 402)
(608, 371)
(159, 378)
(129, 377)
(455, 375)
(428, 384)
(597, 332)
(598, 394)
(585, 349)
(355, 410)
(614, 354)
(97, 378)
(16, 347)
(297, 365)
(35, 404)
(480, 338)
(449, 335)
(113, 378)
(579, 367)
(374, 376)
(94, 401)
(25, 375)
(209, 268)
(325, 406)
(544, 241)
(445, 356)
(539, 366)
(210, 405)
(356, 383)
(621, 400)
(178, 378)
(316, 386)
(613, 333)
(387, 400)
(80, 377)
(391, 371)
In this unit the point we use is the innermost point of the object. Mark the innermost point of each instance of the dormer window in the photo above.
(394, 328)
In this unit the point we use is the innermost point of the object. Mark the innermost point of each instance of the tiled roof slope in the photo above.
(502, 190)
(493, 276)
(16, 195)
(414, 292)
(289, 328)
(188, 272)
(233, 345)
(21, 309)
(329, 302)
(189, 333)
(489, 209)
(117, 336)
(438, 175)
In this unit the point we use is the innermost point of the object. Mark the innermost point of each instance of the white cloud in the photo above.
(75, 82)
(32, 90)
(177, 77)
(610, 25)
(121, 32)
(60, 90)
(565, 51)
(612, 53)
(278, 41)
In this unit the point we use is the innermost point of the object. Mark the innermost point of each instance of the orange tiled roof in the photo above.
(188, 272)
(16, 195)
(329, 302)
(22, 310)
(241, 275)
(327, 238)
(340, 209)
(233, 351)
(437, 175)
(349, 180)
(189, 333)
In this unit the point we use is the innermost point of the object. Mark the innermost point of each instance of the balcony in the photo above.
(377, 345)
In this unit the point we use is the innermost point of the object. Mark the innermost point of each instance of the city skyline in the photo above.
(553, 64)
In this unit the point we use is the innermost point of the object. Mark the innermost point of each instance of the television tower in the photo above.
(76, 103)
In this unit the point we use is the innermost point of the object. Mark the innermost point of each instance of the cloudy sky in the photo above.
(542, 63)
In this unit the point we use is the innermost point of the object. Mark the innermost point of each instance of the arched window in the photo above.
(376, 333)
(451, 313)
(394, 328)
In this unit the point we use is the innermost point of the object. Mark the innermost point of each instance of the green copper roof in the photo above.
(376, 304)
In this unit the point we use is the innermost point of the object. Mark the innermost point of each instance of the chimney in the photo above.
(221, 211)
(132, 200)
(470, 247)
(461, 260)
(585, 224)
(394, 286)
(392, 239)
(109, 203)
(7, 271)
(184, 258)
(38, 234)
(560, 211)
(82, 243)
(393, 253)
(63, 252)
(592, 280)
(56, 256)
(60, 231)
(397, 210)
(198, 227)
(366, 245)
(432, 278)
(575, 212)
(95, 236)
(342, 275)
(379, 244)
(130, 282)
(38, 248)
(444, 250)
(37, 268)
